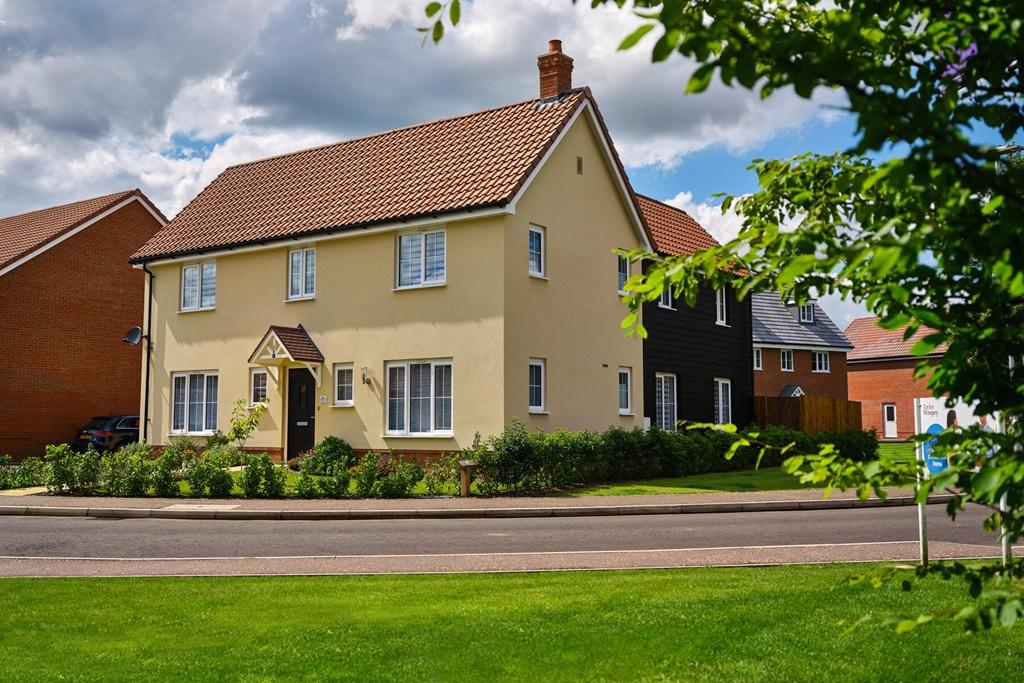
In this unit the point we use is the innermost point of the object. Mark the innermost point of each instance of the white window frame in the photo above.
(820, 362)
(723, 412)
(205, 374)
(253, 372)
(344, 403)
(659, 379)
(787, 353)
(542, 408)
(721, 308)
(422, 281)
(665, 300)
(201, 274)
(404, 431)
(539, 230)
(805, 312)
(628, 372)
(758, 358)
(303, 292)
(621, 281)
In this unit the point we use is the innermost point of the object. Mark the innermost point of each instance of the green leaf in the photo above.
(455, 12)
(634, 37)
(700, 79)
(432, 9)
(438, 33)
(992, 204)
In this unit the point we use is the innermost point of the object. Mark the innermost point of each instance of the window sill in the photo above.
(176, 434)
(197, 310)
(785, 370)
(344, 404)
(311, 297)
(426, 286)
(664, 307)
(622, 293)
(758, 369)
(425, 435)
(539, 276)
(534, 411)
(821, 372)
(722, 324)
(626, 413)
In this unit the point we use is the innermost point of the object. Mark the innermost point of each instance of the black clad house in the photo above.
(697, 361)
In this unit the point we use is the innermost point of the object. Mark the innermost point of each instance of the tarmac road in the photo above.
(45, 546)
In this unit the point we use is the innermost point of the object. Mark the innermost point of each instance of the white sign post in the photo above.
(922, 509)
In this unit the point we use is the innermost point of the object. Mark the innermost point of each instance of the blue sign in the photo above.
(935, 465)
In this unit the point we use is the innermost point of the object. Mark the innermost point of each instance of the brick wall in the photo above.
(63, 316)
(887, 382)
(770, 380)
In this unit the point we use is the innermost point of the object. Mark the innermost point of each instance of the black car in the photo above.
(108, 433)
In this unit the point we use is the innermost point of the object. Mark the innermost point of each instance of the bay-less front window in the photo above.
(199, 286)
(536, 251)
(194, 402)
(343, 384)
(665, 400)
(721, 307)
(819, 361)
(623, 273)
(723, 401)
(302, 273)
(625, 391)
(421, 259)
(258, 388)
(535, 385)
(419, 397)
(786, 359)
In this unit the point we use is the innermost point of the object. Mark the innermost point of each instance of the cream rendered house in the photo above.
(405, 290)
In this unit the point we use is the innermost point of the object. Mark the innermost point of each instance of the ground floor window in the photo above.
(194, 402)
(665, 400)
(343, 384)
(723, 401)
(419, 397)
(258, 386)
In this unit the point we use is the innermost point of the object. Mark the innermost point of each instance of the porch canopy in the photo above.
(283, 346)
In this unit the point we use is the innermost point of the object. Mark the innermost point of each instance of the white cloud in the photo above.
(722, 226)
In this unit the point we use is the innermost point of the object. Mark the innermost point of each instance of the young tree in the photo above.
(930, 236)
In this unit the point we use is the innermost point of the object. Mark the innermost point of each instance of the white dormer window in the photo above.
(806, 312)
(623, 273)
(302, 273)
(721, 307)
(199, 286)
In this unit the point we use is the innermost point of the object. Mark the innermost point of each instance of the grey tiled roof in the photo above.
(775, 323)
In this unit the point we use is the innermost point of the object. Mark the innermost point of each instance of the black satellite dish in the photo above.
(133, 336)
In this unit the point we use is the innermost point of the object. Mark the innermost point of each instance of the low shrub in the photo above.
(71, 472)
(385, 476)
(208, 473)
(128, 471)
(441, 476)
(29, 472)
(165, 475)
(329, 455)
(261, 478)
(335, 483)
(510, 459)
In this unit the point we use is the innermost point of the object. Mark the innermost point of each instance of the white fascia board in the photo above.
(343, 233)
(71, 233)
(609, 158)
(802, 347)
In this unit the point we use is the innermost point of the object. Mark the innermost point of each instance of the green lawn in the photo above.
(764, 479)
(897, 452)
(753, 624)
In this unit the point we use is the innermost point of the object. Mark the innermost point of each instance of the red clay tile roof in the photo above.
(468, 162)
(871, 342)
(296, 341)
(673, 230)
(24, 233)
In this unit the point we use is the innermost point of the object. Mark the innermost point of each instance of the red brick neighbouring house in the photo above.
(881, 377)
(798, 350)
(67, 296)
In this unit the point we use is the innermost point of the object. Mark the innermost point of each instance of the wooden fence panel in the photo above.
(808, 413)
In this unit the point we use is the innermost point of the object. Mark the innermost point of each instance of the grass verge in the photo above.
(764, 479)
(763, 624)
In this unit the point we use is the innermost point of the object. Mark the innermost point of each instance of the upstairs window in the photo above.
(536, 251)
(302, 273)
(535, 386)
(806, 313)
(421, 259)
(757, 359)
(786, 356)
(819, 361)
(623, 273)
(665, 300)
(721, 307)
(723, 401)
(199, 286)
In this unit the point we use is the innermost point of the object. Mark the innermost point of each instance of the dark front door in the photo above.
(301, 411)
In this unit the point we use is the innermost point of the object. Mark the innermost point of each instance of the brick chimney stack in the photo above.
(555, 70)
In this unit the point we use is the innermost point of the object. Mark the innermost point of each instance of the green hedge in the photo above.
(519, 460)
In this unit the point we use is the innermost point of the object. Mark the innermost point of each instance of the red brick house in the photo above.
(881, 377)
(798, 350)
(67, 296)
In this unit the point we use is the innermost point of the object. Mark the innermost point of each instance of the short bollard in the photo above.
(465, 476)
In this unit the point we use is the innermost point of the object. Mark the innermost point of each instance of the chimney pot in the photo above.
(555, 70)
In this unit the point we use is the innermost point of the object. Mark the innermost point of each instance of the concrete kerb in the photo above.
(463, 513)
